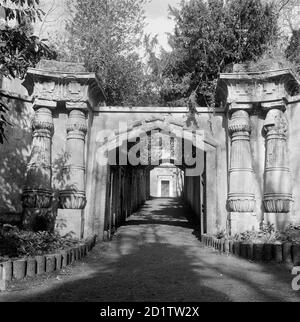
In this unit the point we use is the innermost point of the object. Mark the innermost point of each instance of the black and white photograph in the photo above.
(149, 155)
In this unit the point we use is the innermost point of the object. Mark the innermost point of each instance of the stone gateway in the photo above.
(90, 166)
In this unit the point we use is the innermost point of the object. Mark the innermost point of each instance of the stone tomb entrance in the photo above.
(90, 163)
(125, 158)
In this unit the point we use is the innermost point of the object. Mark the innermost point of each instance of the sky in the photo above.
(157, 19)
(156, 11)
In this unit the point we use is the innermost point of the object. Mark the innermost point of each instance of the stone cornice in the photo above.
(259, 76)
(259, 87)
(47, 74)
(158, 109)
(64, 85)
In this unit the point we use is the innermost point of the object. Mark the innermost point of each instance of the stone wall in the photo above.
(15, 152)
(293, 114)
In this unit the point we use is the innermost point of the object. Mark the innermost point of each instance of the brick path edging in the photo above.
(41, 264)
(274, 252)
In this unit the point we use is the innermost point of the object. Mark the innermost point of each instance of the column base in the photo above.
(69, 221)
(241, 222)
(38, 219)
(281, 221)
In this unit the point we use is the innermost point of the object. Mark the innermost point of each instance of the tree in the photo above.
(210, 36)
(105, 35)
(293, 50)
(19, 48)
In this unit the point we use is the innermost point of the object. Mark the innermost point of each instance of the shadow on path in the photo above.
(156, 257)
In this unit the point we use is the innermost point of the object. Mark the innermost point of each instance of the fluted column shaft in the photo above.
(241, 194)
(73, 194)
(277, 184)
(37, 192)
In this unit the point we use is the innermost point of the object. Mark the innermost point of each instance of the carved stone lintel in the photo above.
(41, 103)
(276, 105)
(77, 106)
(72, 200)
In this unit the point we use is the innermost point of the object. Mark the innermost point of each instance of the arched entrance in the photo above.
(124, 159)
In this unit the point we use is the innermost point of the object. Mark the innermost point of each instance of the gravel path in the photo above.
(157, 257)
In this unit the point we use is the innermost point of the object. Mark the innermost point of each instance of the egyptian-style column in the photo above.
(277, 184)
(37, 193)
(241, 193)
(73, 194)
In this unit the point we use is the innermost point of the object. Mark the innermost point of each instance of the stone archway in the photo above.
(108, 180)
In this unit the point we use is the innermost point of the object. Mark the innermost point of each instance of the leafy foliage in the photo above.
(21, 10)
(210, 36)
(3, 121)
(105, 35)
(19, 243)
(293, 50)
(19, 48)
(268, 234)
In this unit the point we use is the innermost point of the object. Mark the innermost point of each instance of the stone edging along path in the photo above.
(278, 252)
(34, 266)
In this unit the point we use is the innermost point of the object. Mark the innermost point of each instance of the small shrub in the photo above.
(266, 234)
(291, 234)
(222, 234)
(19, 243)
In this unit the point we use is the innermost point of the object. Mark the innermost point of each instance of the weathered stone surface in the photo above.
(3, 285)
(41, 264)
(7, 270)
(287, 252)
(72, 196)
(277, 252)
(70, 221)
(37, 193)
(31, 269)
(277, 184)
(67, 102)
(19, 269)
(258, 251)
(241, 195)
(268, 252)
(50, 263)
(296, 254)
(67, 67)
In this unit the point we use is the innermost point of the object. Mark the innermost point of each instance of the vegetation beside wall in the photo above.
(15, 243)
(266, 233)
